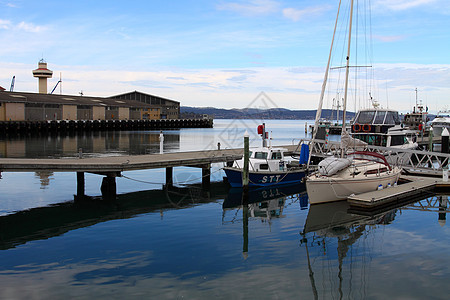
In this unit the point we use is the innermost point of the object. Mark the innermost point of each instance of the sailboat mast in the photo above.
(347, 67)
(324, 84)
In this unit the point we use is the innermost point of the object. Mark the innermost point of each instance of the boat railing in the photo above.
(411, 160)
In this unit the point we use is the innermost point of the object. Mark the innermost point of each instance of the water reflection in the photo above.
(340, 244)
(46, 222)
(91, 143)
(261, 203)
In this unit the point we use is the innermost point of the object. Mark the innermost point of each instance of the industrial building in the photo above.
(19, 106)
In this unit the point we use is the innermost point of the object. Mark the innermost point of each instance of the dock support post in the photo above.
(80, 185)
(445, 143)
(443, 202)
(169, 177)
(245, 175)
(108, 188)
(206, 176)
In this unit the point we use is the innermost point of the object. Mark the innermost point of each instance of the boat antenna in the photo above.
(324, 84)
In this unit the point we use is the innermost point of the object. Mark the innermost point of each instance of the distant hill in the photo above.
(254, 113)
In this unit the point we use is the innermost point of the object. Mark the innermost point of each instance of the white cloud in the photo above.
(391, 38)
(298, 14)
(403, 4)
(29, 27)
(294, 88)
(5, 24)
(252, 7)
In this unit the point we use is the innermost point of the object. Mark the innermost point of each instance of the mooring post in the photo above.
(443, 202)
(161, 142)
(108, 188)
(206, 176)
(169, 177)
(245, 176)
(430, 139)
(80, 185)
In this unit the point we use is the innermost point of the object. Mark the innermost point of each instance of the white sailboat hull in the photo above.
(323, 189)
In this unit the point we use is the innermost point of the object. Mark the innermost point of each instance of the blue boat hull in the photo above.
(234, 177)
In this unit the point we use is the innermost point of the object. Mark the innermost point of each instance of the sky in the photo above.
(223, 54)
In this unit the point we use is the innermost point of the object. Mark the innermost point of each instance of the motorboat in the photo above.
(441, 121)
(381, 127)
(418, 118)
(356, 173)
(268, 166)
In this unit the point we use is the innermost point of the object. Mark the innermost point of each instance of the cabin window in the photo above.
(397, 140)
(392, 118)
(365, 117)
(379, 118)
(261, 155)
(276, 155)
(264, 167)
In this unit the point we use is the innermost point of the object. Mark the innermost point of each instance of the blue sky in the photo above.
(221, 53)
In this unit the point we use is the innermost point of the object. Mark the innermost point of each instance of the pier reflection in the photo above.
(55, 220)
(91, 143)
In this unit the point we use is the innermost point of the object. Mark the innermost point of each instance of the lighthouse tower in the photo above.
(42, 73)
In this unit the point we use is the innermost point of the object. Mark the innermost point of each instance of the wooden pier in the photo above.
(112, 167)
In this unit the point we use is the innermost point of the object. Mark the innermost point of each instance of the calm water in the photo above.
(195, 244)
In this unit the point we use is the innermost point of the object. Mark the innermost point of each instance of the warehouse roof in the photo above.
(70, 100)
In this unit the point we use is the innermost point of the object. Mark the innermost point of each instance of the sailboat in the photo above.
(353, 170)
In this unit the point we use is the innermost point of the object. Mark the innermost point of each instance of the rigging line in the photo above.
(178, 183)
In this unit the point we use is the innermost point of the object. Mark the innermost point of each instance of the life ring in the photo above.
(356, 127)
(366, 127)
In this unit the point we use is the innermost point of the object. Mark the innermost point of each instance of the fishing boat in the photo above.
(350, 172)
(418, 118)
(268, 166)
(441, 121)
(381, 127)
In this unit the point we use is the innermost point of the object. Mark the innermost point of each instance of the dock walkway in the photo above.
(416, 186)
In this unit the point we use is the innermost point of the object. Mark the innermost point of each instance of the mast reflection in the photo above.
(263, 203)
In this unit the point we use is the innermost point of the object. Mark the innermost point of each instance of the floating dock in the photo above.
(416, 186)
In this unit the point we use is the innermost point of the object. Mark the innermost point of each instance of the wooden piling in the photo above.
(80, 185)
(245, 176)
(169, 177)
(206, 176)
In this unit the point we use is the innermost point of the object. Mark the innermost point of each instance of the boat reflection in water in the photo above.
(262, 203)
(331, 223)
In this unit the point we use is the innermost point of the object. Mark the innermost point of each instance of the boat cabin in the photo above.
(375, 121)
(265, 159)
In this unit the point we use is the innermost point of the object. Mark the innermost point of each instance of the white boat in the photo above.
(441, 121)
(381, 127)
(268, 166)
(360, 175)
(355, 172)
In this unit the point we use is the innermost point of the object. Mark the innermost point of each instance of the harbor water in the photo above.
(193, 243)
